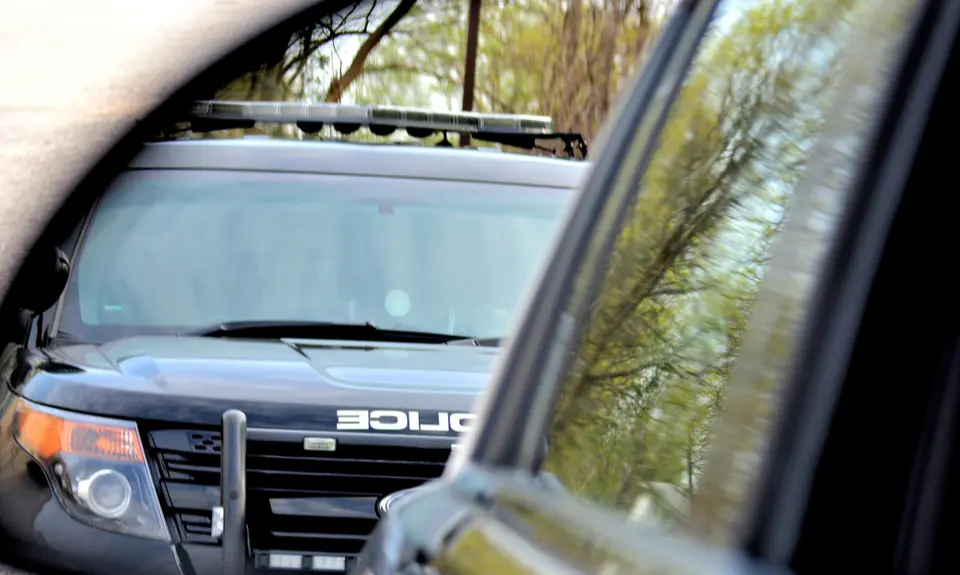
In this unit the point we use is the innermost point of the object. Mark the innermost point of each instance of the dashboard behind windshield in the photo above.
(167, 251)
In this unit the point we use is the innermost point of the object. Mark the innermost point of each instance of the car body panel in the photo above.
(277, 384)
(559, 535)
(382, 160)
(412, 401)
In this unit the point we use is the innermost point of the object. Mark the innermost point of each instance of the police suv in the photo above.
(251, 346)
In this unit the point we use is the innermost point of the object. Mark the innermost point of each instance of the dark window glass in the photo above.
(752, 166)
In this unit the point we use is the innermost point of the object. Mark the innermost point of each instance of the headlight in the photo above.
(96, 467)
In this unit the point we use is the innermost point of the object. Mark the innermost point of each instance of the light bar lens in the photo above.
(278, 561)
(301, 562)
(329, 563)
(291, 112)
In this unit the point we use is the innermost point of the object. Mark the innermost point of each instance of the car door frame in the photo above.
(498, 457)
(823, 355)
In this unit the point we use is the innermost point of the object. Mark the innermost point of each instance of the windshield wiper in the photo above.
(319, 330)
(480, 342)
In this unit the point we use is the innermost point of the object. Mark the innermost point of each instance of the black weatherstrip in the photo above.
(821, 365)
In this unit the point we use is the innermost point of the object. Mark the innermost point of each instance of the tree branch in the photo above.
(340, 84)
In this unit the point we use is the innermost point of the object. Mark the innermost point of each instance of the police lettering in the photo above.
(390, 420)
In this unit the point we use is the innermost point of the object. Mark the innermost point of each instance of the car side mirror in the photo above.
(42, 279)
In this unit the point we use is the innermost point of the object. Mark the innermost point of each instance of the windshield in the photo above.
(172, 250)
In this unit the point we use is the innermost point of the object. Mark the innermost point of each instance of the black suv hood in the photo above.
(279, 384)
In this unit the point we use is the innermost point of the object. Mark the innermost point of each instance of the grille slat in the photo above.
(295, 535)
(426, 472)
(296, 501)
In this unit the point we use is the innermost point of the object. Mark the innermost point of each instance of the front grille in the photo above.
(322, 502)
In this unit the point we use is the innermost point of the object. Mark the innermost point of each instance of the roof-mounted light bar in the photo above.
(381, 120)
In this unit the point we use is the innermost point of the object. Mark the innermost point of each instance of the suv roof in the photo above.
(362, 160)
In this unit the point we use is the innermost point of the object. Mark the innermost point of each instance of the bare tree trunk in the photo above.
(570, 40)
(470, 65)
(340, 84)
(603, 75)
(641, 44)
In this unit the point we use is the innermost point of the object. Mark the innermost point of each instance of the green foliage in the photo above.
(650, 372)
(534, 56)
(564, 60)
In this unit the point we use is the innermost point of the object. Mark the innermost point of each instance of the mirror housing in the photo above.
(41, 280)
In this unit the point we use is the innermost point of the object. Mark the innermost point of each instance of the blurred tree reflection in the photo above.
(648, 379)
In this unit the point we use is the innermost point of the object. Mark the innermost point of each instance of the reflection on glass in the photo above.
(749, 142)
(170, 250)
